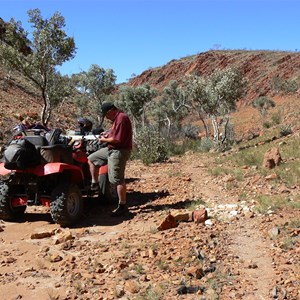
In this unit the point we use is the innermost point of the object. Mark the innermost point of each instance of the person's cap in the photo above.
(106, 106)
(84, 121)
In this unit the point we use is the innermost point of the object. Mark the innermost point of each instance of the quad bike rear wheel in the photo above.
(7, 211)
(66, 204)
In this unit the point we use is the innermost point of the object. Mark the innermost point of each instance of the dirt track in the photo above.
(105, 258)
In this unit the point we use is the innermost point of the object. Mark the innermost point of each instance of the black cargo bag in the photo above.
(21, 154)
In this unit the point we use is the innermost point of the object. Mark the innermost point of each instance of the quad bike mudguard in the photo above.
(49, 168)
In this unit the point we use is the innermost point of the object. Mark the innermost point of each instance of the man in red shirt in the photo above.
(116, 154)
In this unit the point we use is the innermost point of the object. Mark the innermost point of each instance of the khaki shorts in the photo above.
(116, 160)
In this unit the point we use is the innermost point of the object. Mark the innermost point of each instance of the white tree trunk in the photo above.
(216, 129)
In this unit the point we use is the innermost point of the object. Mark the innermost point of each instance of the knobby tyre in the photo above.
(66, 206)
(7, 211)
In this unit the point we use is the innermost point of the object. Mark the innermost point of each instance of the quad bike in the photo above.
(54, 174)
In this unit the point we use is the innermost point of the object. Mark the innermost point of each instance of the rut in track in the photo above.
(256, 271)
(245, 240)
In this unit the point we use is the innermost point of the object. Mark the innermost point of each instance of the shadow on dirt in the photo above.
(138, 198)
(34, 217)
(97, 212)
(146, 200)
(133, 179)
(157, 207)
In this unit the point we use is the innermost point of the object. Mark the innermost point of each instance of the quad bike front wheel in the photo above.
(66, 206)
(8, 212)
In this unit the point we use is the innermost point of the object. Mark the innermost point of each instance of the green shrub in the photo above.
(274, 203)
(184, 146)
(190, 131)
(277, 117)
(267, 124)
(285, 130)
(279, 85)
(174, 148)
(263, 104)
(150, 146)
(206, 145)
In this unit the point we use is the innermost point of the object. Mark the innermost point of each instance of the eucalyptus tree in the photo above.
(93, 86)
(263, 104)
(134, 101)
(215, 97)
(196, 89)
(49, 47)
(172, 106)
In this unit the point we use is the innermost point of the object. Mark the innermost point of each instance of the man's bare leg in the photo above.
(94, 170)
(121, 190)
(122, 209)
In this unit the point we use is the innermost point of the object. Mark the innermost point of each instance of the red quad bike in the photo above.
(50, 170)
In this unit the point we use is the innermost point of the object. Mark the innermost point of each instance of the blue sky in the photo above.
(131, 36)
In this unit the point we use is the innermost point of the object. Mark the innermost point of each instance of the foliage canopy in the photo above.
(49, 47)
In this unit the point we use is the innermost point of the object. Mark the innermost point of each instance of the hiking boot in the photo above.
(120, 211)
(95, 186)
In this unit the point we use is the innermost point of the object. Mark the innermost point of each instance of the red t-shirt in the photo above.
(122, 132)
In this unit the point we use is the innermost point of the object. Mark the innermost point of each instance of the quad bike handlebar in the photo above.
(89, 137)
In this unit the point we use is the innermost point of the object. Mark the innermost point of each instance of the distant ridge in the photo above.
(258, 66)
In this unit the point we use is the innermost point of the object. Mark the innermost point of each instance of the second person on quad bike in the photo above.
(116, 154)
(85, 126)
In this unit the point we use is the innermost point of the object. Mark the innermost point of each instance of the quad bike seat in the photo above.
(57, 153)
(37, 140)
(49, 147)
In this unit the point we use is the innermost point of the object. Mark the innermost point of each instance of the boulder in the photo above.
(272, 158)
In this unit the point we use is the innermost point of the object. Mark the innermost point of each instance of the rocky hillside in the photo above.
(258, 67)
